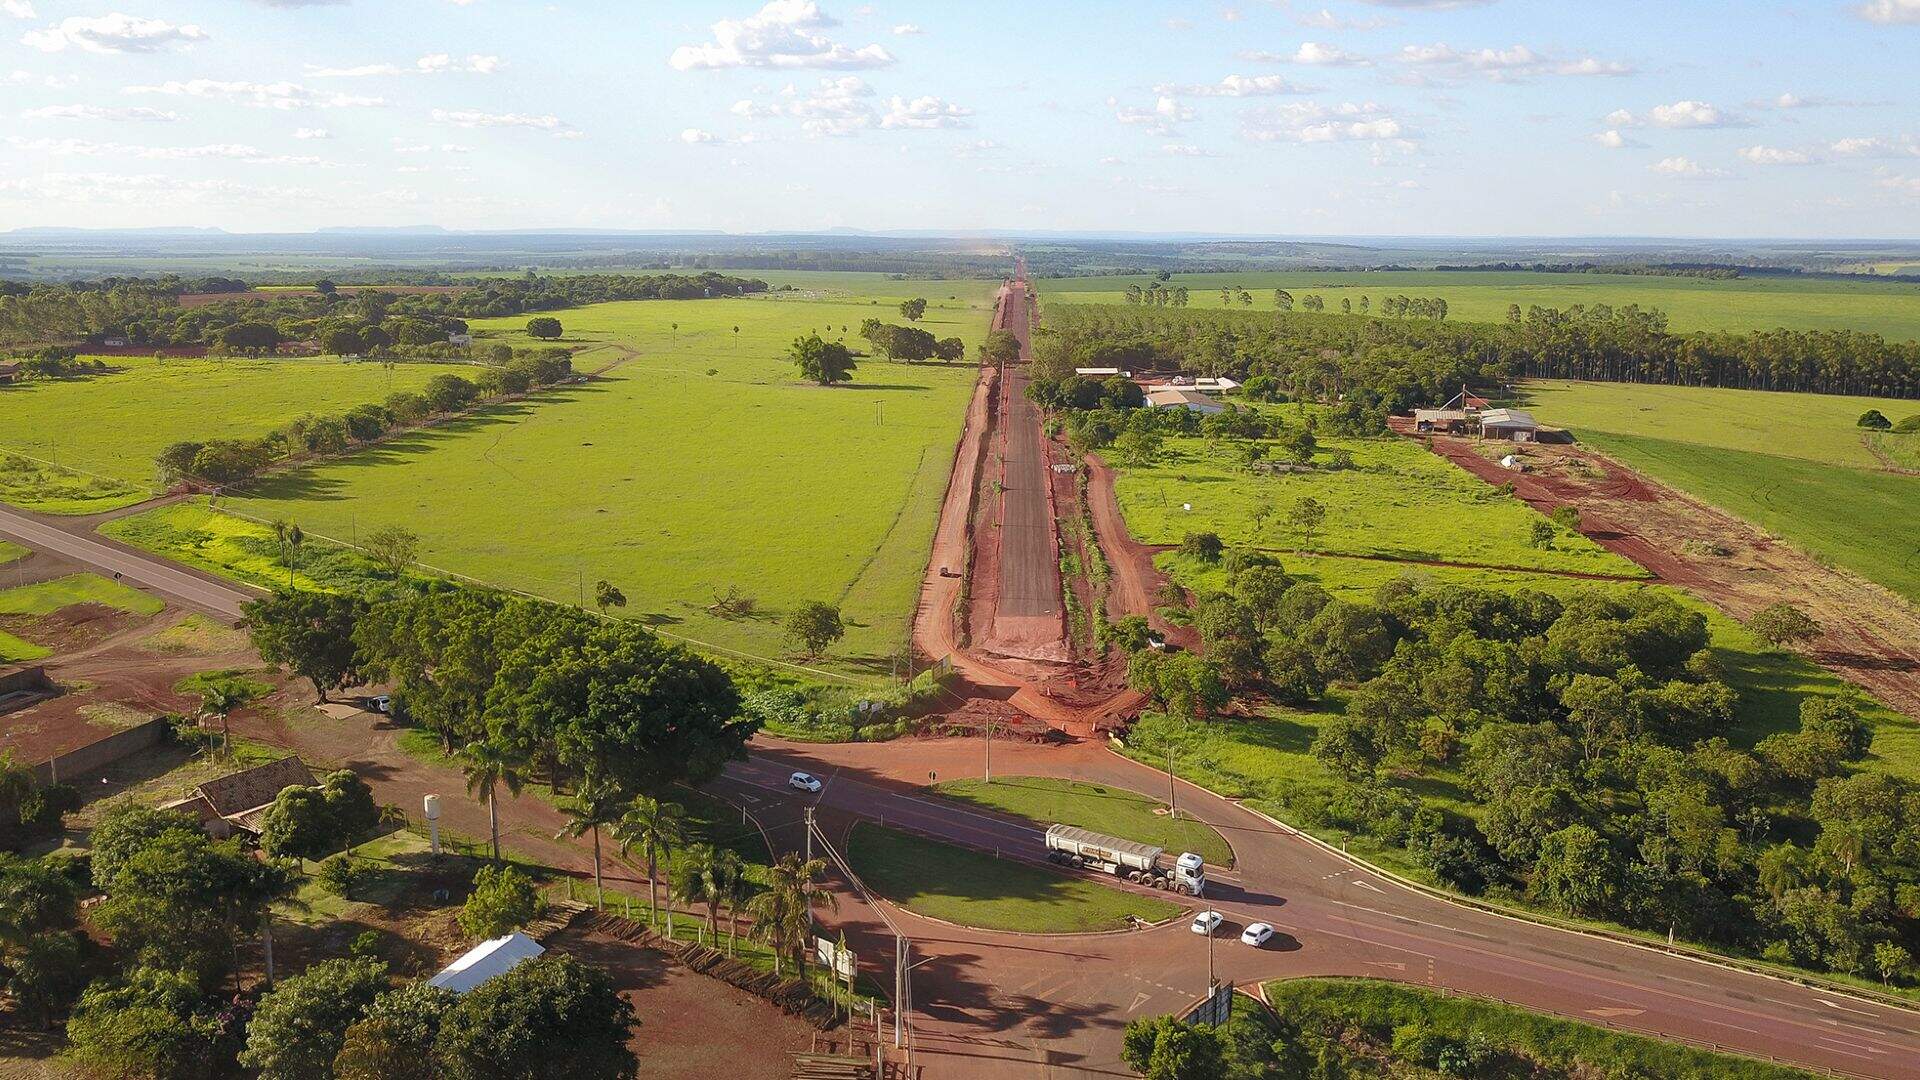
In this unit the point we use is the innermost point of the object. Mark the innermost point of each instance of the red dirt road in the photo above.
(1871, 636)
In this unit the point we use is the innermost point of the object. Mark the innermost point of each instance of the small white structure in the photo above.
(1167, 397)
(459, 339)
(1215, 386)
(1101, 372)
(1513, 461)
(485, 960)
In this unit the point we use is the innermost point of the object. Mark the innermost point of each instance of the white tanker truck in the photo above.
(1143, 863)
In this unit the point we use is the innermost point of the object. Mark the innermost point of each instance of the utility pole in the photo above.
(989, 749)
(809, 816)
(1173, 808)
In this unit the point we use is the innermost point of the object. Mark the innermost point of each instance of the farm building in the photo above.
(1167, 397)
(239, 801)
(459, 339)
(1221, 385)
(1442, 421)
(1101, 372)
(1515, 424)
(485, 960)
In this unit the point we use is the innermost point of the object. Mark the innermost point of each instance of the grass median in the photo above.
(972, 888)
(1114, 811)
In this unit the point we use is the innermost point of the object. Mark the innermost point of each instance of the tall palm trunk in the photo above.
(653, 885)
(598, 897)
(493, 816)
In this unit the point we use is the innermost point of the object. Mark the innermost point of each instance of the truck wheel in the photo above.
(1133, 876)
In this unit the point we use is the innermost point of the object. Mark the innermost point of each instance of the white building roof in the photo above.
(485, 960)
(1221, 384)
(1508, 418)
(1169, 398)
(1097, 372)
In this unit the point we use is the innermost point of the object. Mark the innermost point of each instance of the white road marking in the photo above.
(1416, 922)
(1843, 1008)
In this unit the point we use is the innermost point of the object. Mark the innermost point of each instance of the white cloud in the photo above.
(1238, 86)
(925, 113)
(907, 29)
(1889, 12)
(1311, 122)
(100, 112)
(229, 151)
(1612, 139)
(19, 9)
(1900, 185)
(1316, 54)
(1680, 114)
(836, 106)
(115, 33)
(1325, 19)
(280, 95)
(150, 189)
(695, 136)
(430, 64)
(1160, 119)
(1684, 167)
(1511, 64)
(1186, 150)
(1775, 155)
(312, 133)
(784, 34)
(1876, 146)
(473, 118)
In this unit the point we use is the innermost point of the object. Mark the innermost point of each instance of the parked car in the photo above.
(381, 703)
(1256, 935)
(1207, 923)
(804, 782)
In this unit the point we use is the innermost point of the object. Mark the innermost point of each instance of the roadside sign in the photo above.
(1217, 1007)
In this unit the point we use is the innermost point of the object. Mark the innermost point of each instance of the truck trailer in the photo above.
(1142, 863)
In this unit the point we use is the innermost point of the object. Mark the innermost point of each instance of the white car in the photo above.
(1207, 922)
(804, 782)
(1256, 935)
(381, 703)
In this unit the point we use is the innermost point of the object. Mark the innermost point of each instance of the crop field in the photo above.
(1398, 501)
(1794, 464)
(699, 464)
(1884, 307)
(103, 431)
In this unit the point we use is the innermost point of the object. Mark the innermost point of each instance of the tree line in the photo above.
(1592, 732)
(1402, 362)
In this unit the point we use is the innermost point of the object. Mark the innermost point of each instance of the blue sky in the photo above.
(1449, 117)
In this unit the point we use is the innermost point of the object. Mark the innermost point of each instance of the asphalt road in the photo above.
(108, 557)
(1013, 1005)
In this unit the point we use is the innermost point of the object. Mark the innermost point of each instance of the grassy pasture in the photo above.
(700, 463)
(1398, 501)
(1884, 307)
(47, 597)
(1794, 464)
(10, 552)
(973, 888)
(111, 426)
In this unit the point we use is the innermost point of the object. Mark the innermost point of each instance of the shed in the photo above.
(1215, 386)
(485, 960)
(1101, 372)
(1192, 401)
(459, 339)
(1443, 420)
(1516, 424)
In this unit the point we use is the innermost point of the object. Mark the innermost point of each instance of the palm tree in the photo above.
(222, 697)
(657, 828)
(738, 891)
(488, 765)
(595, 802)
(784, 912)
(709, 876)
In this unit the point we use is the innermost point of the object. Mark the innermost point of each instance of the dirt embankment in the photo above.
(1870, 635)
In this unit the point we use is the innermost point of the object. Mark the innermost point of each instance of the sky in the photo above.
(1311, 117)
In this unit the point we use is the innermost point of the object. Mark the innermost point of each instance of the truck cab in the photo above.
(1189, 874)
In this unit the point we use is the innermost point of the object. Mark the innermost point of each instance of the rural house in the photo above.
(239, 801)
(1517, 425)
(1167, 397)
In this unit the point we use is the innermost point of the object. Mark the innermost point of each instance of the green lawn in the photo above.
(112, 425)
(48, 597)
(1794, 464)
(11, 552)
(1114, 811)
(15, 650)
(972, 888)
(700, 465)
(1399, 500)
(1883, 307)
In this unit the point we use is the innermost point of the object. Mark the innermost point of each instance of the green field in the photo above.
(110, 427)
(972, 888)
(1399, 501)
(1114, 811)
(15, 650)
(1884, 307)
(698, 465)
(1793, 464)
(47, 597)
(11, 552)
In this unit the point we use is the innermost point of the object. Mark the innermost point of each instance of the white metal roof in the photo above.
(487, 959)
(1097, 372)
(1169, 398)
(1508, 418)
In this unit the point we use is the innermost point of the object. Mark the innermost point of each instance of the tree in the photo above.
(1875, 420)
(546, 328)
(1137, 449)
(1542, 533)
(155, 1024)
(824, 362)
(1000, 347)
(1782, 624)
(392, 548)
(503, 900)
(312, 822)
(41, 951)
(1891, 962)
(594, 804)
(1567, 517)
(310, 634)
(224, 695)
(1168, 1048)
(705, 875)
(950, 349)
(913, 309)
(396, 1040)
(783, 913)
(550, 1018)
(814, 626)
(1575, 872)
(301, 1023)
(657, 828)
(607, 595)
(487, 765)
(1306, 517)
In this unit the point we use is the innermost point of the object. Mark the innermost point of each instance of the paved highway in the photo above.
(1012, 1005)
(70, 540)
